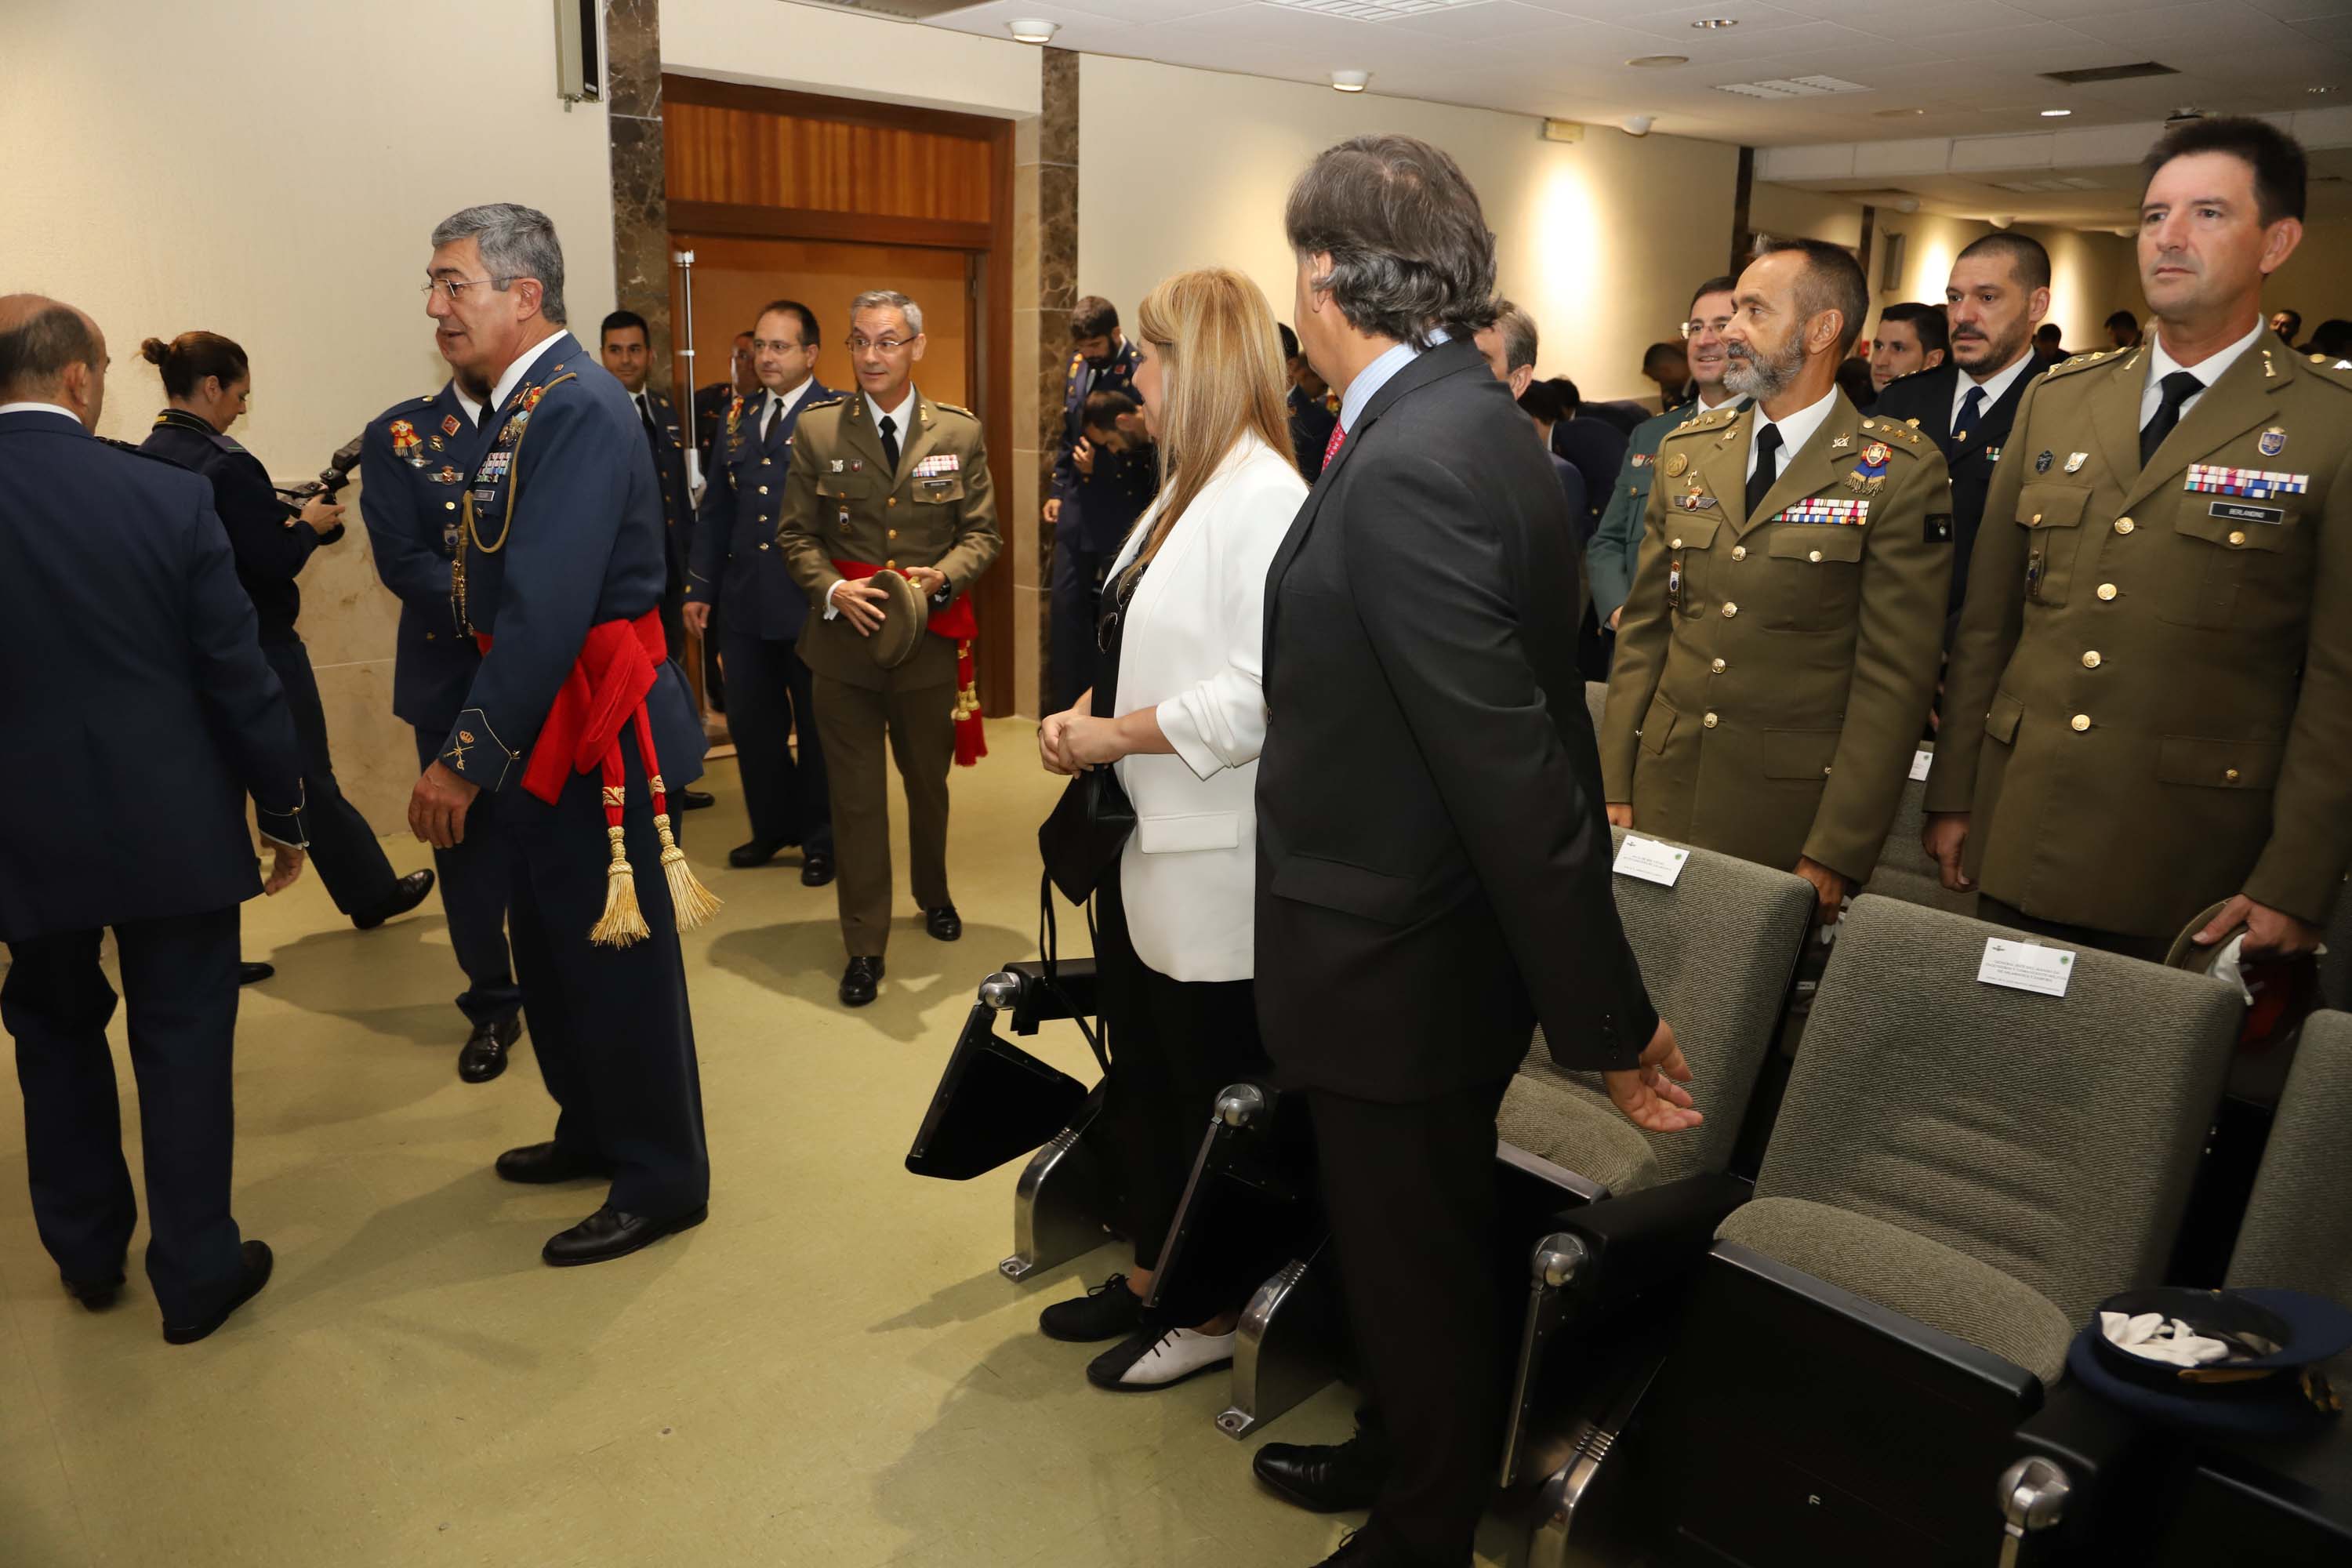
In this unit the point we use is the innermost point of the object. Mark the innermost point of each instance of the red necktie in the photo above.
(1331, 447)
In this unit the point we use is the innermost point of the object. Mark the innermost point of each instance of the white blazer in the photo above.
(1190, 647)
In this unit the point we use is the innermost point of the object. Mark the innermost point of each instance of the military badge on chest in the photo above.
(1695, 499)
(1869, 475)
(406, 445)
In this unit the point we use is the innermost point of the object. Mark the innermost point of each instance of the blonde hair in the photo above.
(1222, 379)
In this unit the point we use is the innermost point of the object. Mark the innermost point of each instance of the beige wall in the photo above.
(1794, 213)
(1602, 239)
(272, 172)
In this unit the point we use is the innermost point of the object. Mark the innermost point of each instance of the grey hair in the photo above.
(1519, 330)
(890, 299)
(517, 241)
(1408, 244)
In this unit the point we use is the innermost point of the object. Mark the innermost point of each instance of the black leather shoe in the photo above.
(257, 1265)
(858, 981)
(816, 868)
(97, 1295)
(408, 892)
(944, 923)
(1326, 1477)
(695, 799)
(484, 1054)
(538, 1164)
(758, 852)
(1109, 1311)
(246, 974)
(608, 1234)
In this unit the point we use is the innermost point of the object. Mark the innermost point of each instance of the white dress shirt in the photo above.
(1375, 376)
(522, 367)
(474, 411)
(776, 405)
(1995, 386)
(1795, 430)
(2207, 370)
(38, 408)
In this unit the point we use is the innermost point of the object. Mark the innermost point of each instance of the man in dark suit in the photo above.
(1314, 412)
(1085, 539)
(1416, 887)
(559, 575)
(737, 571)
(1998, 292)
(711, 405)
(413, 461)
(127, 810)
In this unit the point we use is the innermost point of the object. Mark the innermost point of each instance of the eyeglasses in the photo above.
(451, 287)
(1715, 325)
(858, 346)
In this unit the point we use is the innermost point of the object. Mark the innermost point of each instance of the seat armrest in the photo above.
(1638, 1242)
(1072, 993)
(2112, 1470)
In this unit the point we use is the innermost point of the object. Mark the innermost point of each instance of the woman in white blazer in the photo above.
(1180, 711)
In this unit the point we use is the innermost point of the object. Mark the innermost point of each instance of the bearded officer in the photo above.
(2156, 647)
(1777, 656)
(888, 479)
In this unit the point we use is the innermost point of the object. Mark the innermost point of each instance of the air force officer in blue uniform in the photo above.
(125, 807)
(414, 461)
(1101, 360)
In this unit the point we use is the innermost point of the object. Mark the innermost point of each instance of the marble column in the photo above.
(632, 93)
(1045, 286)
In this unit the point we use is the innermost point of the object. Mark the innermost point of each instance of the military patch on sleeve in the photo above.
(1939, 531)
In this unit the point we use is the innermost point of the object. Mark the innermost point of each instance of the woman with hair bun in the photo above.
(209, 384)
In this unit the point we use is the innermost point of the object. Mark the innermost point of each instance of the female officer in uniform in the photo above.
(208, 382)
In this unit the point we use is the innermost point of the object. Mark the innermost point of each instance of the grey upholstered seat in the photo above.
(1903, 870)
(2298, 1228)
(1716, 950)
(1938, 1130)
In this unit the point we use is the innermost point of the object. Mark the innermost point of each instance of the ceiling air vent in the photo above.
(2109, 73)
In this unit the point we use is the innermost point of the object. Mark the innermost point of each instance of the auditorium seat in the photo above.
(1960, 1170)
(1903, 870)
(1596, 696)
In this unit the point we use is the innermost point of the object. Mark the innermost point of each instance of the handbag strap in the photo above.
(1048, 945)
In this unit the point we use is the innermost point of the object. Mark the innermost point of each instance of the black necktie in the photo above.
(2178, 388)
(1767, 445)
(891, 443)
(1970, 407)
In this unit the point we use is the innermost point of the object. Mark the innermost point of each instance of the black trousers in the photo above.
(180, 976)
(350, 862)
(1076, 588)
(1173, 1044)
(769, 698)
(609, 1025)
(1410, 1189)
(474, 880)
(2151, 948)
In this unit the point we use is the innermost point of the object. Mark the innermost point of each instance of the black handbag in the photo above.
(1088, 827)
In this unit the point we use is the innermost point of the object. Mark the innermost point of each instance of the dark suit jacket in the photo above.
(272, 545)
(138, 707)
(668, 447)
(1096, 534)
(414, 459)
(1926, 400)
(737, 566)
(1597, 448)
(1433, 861)
(1311, 431)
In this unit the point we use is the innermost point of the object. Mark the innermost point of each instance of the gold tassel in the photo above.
(693, 902)
(622, 923)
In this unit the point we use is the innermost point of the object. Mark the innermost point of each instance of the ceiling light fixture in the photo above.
(2056, 114)
(1653, 62)
(1350, 81)
(1716, 24)
(1637, 124)
(1033, 29)
(2320, 91)
(1896, 113)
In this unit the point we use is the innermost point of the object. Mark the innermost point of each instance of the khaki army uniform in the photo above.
(843, 503)
(1773, 673)
(2155, 666)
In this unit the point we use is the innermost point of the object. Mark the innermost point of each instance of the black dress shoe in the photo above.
(695, 799)
(1109, 1311)
(608, 1234)
(257, 1265)
(246, 974)
(97, 1295)
(407, 893)
(1326, 1477)
(484, 1054)
(1362, 1549)
(758, 852)
(816, 868)
(944, 923)
(540, 1164)
(858, 981)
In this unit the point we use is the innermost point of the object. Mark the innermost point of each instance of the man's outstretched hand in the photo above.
(1652, 1095)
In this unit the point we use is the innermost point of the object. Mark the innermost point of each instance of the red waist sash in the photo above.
(960, 626)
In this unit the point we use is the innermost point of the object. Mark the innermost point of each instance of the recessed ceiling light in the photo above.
(2056, 114)
(1033, 29)
(1896, 113)
(1651, 62)
(1716, 24)
(2320, 91)
(1350, 81)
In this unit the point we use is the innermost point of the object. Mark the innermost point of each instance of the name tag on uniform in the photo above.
(1845, 511)
(2211, 478)
(2239, 511)
(2021, 966)
(1650, 860)
(938, 463)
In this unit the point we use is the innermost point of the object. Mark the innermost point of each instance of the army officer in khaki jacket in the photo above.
(1777, 656)
(888, 478)
(2156, 652)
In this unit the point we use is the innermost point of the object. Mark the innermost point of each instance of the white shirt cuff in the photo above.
(830, 612)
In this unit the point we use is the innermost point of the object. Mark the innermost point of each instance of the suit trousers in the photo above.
(1410, 1190)
(350, 863)
(785, 796)
(474, 878)
(852, 722)
(180, 976)
(1075, 592)
(609, 1025)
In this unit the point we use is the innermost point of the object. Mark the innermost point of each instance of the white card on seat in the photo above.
(1921, 760)
(1650, 860)
(2022, 966)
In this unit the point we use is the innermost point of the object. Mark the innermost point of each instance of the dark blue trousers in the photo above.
(609, 1025)
(350, 862)
(1076, 587)
(768, 697)
(474, 880)
(180, 976)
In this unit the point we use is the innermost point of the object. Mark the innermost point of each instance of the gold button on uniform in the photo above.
(1709, 721)
(1729, 611)
(448, 506)
(763, 489)
(2231, 775)
(1675, 544)
(1739, 552)
(2037, 517)
(2082, 721)
(2090, 659)
(1815, 555)
(763, 544)
(2124, 525)
(1718, 667)
(2106, 590)
(2237, 538)
(892, 564)
(894, 500)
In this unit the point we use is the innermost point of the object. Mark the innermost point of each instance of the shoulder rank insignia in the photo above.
(951, 408)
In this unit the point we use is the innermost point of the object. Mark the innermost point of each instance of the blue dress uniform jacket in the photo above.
(737, 566)
(272, 545)
(668, 443)
(413, 461)
(584, 548)
(1923, 402)
(135, 754)
(1093, 537)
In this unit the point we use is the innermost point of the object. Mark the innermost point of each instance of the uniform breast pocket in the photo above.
(2226, 572)
(1815, 576)
(1687, 537)
(940, 488)
(2052, 516)
(845, 488)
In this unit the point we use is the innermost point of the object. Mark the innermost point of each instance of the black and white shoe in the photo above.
(1109, 1311)
(1158, 1358)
